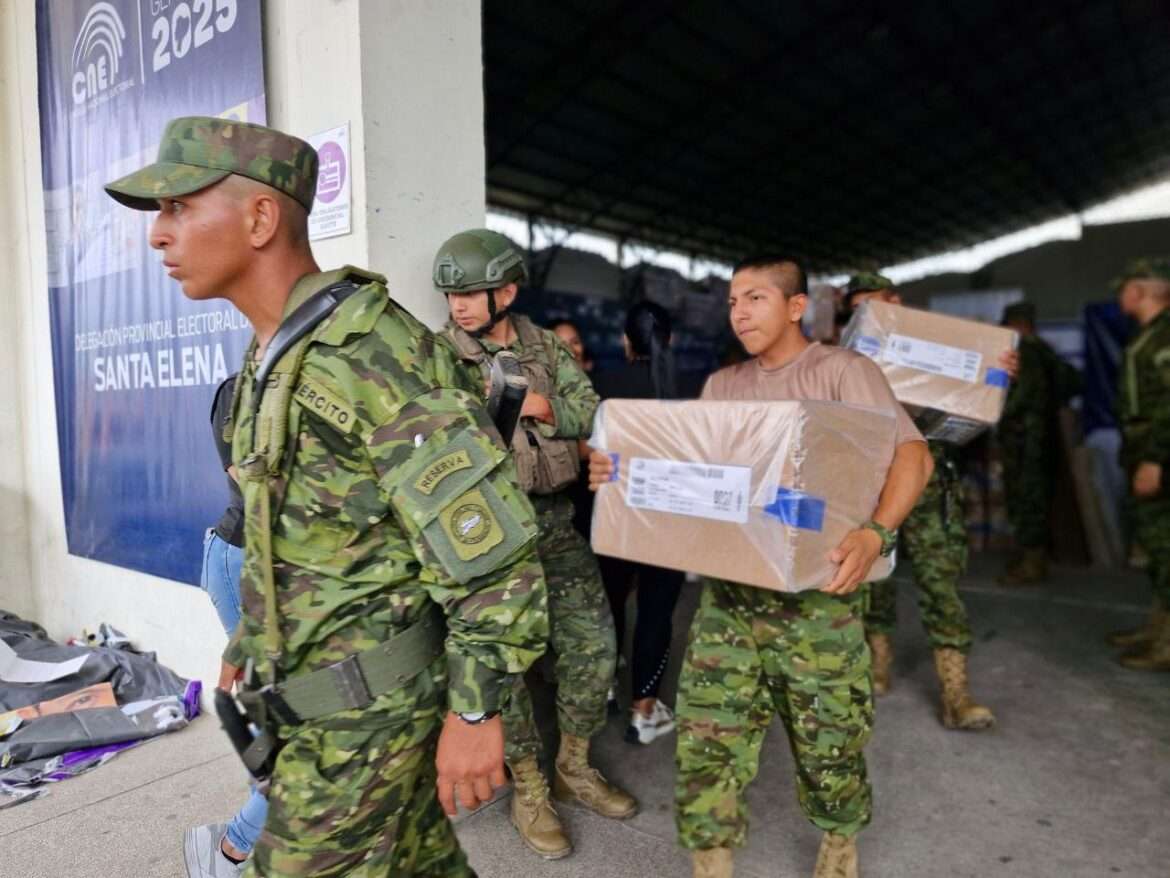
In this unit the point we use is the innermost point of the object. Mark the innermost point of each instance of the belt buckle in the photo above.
(351, 683)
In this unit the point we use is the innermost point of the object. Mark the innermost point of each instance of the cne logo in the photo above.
(97, 54)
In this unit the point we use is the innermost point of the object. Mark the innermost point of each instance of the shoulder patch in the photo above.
(471, 526)
(440, 469)
(325, 404)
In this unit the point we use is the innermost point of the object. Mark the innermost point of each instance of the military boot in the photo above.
(882, 651)
(1153, 655)
(713, 863)
(837, 857)
(1030, 569)
(577, 781)
(533, 815)
(959, 709)
(1143, 634)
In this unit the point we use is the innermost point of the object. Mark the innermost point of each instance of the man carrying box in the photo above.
(755, 653)
(936, 535)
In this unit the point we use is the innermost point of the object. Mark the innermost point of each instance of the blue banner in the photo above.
(135, 364)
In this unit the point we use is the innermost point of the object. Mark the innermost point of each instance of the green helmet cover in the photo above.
(478, 259)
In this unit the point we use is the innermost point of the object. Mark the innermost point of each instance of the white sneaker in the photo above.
(644, 729)
(202, 854)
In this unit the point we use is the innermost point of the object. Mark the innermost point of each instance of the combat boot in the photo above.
(1153, 655)
(713, 863)
(1030, 569)
(882, 652)
(959, 709)
(837, 857)
(577, 781)
(533, 815)
(1143, 634)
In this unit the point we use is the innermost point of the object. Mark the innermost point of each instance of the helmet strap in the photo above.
(494, 316)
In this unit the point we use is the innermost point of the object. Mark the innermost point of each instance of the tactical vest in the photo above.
(544, 465)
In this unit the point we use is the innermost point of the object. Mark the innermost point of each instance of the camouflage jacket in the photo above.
(574, 401)
(1143, 402)
(390, 495)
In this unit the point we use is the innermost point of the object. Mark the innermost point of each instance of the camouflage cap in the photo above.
(1145, 268)
(867, 282)
(197, 151)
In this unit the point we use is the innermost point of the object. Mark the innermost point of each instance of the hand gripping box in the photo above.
(752, 492)
(945, 370)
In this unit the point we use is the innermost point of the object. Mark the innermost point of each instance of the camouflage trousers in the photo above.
(1027, 455)
(936, 537)
(755, 654)
(354, 794)
(581, 634)
(1150, 524)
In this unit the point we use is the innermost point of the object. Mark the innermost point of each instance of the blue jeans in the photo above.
(220, 578)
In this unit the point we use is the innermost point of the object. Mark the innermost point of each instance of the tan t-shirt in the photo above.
(819, 373)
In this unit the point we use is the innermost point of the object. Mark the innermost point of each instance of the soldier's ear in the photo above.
(506, 295)
(263, 218)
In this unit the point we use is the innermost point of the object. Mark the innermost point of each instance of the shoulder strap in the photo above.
(534, 339)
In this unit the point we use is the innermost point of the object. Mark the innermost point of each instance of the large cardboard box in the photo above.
(752, 492)
(945, 370)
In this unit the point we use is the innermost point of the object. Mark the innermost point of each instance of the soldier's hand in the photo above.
(470, 762)
(856, 555)
(228, 675)
(538, 407)
(1009, 361)
(600, 469)
(1147, 480)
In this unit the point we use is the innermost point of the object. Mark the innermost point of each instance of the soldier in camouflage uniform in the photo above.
(390, 589)
(935, 534)
(1144, 415)
(1025, 435)
(479, 272)
(754, 654)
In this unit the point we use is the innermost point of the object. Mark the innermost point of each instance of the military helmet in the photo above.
(478, 259)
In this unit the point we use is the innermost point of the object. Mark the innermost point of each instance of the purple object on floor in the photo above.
(77, 761)
(191, 698)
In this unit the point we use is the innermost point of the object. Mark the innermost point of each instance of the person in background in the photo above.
(1143, 409)
(1027, 433)
(567, 332)
(648, 374)
(219, 850)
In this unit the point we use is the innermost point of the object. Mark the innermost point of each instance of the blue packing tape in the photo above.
(798, 509)
(616, 458)
(997, 378)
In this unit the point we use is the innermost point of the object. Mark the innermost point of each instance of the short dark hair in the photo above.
(795, 277)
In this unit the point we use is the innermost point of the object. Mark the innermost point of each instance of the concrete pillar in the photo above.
(407, 76)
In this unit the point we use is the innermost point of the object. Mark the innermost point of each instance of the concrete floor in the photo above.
(1074, 783)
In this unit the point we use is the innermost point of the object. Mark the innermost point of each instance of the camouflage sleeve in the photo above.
(233, 653)
(1157, 444)
(474, 533)
(575, 402)
(1029, 395)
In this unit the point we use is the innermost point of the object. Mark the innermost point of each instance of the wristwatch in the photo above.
(475, 719)
(889, 537)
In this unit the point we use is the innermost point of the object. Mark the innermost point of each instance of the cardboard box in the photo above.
(945, 370)
(752, 492)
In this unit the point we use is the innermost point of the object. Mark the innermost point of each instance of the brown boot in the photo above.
(713, 863)
(577, 781)
(533, 814)
(1029, 570)
(1153, 655)
(959, 709)
(1142, 635)
(882, 651)
(837, 857)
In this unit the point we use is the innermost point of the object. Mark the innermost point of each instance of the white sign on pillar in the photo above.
(332, 206)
